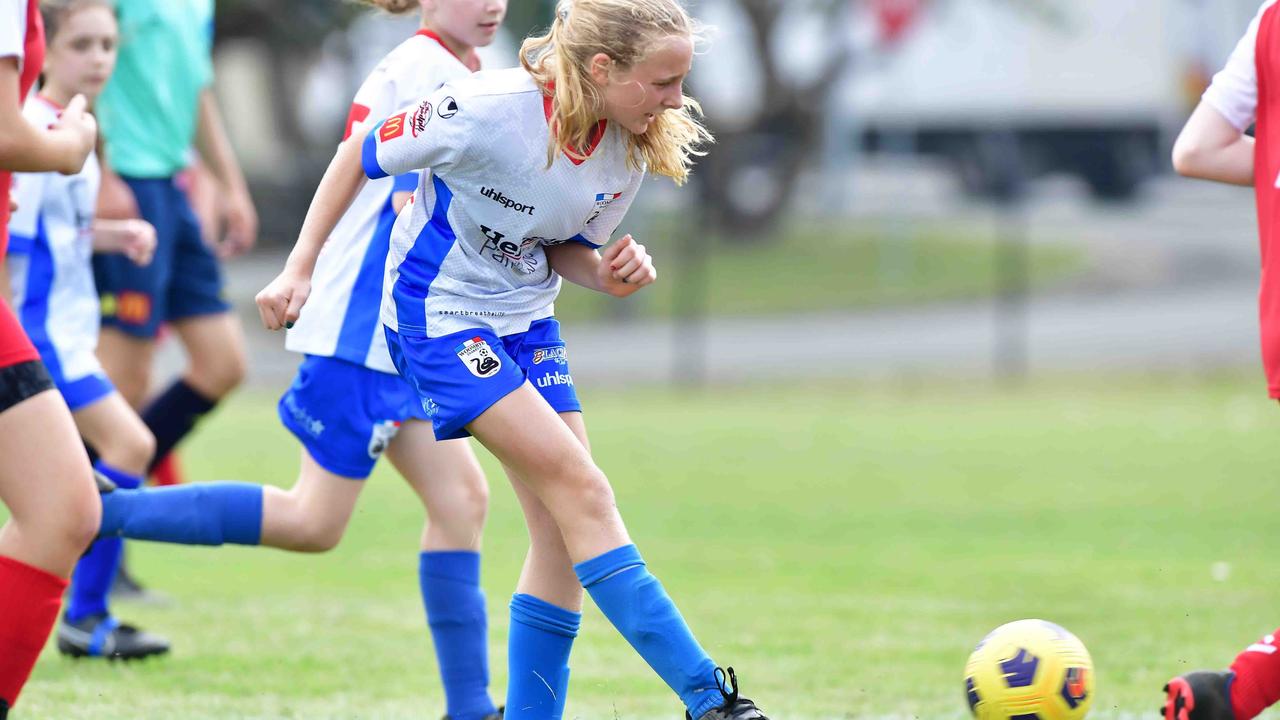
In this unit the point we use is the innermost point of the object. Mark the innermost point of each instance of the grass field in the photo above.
(843, 548)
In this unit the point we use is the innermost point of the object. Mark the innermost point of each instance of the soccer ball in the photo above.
(1029, 670)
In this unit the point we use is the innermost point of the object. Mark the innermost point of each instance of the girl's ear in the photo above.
(599, 68)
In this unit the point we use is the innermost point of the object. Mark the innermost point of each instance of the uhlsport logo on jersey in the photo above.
(421, 116)
(555, 378)
(499, 197)
(448, 108)
(602, 202)
(381, 436)
(554, 354)
(478, 357)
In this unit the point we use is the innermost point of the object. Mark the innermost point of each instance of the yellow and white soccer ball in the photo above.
(1029, 670)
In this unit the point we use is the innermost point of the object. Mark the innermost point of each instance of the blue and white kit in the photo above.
(51, 273)
(347, 402)
(467, 274)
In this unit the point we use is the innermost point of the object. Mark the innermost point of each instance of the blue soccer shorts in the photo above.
(346, 414)
(459, 376)
(182, 281)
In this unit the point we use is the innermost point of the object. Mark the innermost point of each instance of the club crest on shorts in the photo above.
(478, 357)
(381, 436)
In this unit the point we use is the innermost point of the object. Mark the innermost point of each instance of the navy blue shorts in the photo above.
(182, 281)
(459, 376)
(346, 414)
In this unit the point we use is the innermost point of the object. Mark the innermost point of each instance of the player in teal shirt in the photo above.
(156, 107)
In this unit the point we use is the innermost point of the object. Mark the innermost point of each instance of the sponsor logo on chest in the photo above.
(499, 197)
(509, 253)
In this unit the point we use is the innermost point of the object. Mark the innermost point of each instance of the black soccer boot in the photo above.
(1200, 695)
(734, 708)
(104, 636)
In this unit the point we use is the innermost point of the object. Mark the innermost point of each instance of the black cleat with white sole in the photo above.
(734, 707)
(104, 636)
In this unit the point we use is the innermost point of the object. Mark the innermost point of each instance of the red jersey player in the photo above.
(1214, 146)
(45, 480)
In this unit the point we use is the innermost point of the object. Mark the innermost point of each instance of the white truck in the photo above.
(1097, 88)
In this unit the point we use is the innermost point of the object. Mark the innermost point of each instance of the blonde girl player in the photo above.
(1214, 146)
(45, 479)
(525, 174)
(51, 238)
(347, 405)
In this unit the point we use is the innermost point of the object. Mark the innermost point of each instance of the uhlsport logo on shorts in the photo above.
(478, 357)
(381, 436)
(555, 354)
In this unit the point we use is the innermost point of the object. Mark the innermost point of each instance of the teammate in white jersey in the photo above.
(525, 173)
(347, 405)
(52, 237)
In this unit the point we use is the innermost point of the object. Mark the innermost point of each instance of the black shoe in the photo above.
(104, 636)
(105, 485)
(1198, 695)
(494, 716)
(734, 708)
(4, 709)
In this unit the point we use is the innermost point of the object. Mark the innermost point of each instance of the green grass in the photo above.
(844, 548)
(815, 267)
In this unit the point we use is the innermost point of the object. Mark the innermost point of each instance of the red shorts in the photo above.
(14, 346)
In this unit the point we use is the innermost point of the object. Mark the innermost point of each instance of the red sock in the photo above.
(167, 471)
(29, 602)
(1257, 683)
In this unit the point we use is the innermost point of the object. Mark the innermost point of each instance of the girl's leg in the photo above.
(215, 351)
(545, 612)
(124, 446)
(525, 434)
(448, 479)
(309, 517)
(46, 484)
(127, 360)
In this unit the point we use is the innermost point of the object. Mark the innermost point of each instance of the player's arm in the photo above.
(215, 149)
(1211, 148)
(281, 301)
(26, 148)
(619, 269)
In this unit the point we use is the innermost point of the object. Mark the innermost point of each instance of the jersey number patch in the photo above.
(478, 357)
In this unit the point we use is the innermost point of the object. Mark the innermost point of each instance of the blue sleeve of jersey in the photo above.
(20, 245)
(407, 182)
(369, 155)
(582, 240)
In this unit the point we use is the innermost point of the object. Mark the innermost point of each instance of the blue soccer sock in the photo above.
(538, 645)
(172, 415)
(91, 581)
(451, 594)
(638, 606)
(195, 514)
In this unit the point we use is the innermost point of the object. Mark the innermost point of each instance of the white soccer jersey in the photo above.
(468, 252)
(1234, 90)
(13, 29)
(340, 318)
(49, 259)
